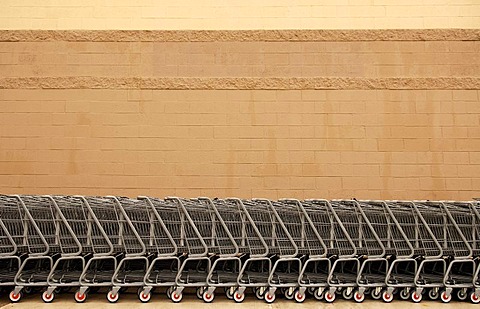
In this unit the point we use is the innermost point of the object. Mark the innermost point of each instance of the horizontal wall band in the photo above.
(247, 83)
(239, 35)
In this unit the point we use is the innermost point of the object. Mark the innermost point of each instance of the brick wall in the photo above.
(245, 14)
(367, 114)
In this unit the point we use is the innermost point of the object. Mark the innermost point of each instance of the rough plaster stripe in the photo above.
(247, 83)
(240, 35)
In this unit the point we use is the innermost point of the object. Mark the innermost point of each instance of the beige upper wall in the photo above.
(235, 14)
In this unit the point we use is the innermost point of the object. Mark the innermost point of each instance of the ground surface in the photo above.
(98, 301)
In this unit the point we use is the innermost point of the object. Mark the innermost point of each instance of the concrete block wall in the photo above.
(366, 113)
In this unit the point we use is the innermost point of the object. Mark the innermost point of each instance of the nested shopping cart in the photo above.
(373, 271)
(66, 270)
(165, 242)
(338, 243)
(311, 248)
(461, 267)
(114, 240)
(280, 269)
(345, 271)
(453, 245)
(134, 225)
(475, 294)
(402, 273)
(47, 234)
(13, 247)
(191, 265)
(253, 251)
(222, 248)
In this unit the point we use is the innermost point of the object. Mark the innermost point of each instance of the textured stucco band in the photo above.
(239, 35)
(247, 83)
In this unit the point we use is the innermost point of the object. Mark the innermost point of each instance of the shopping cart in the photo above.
(475, 294)
(192, 264)
(453, 245)
(373, 271)
(461, 267)
(14, 244)
(345, 271)
(133, 220)
(165, 242)
(45, 243)
(107, 231)
(66, 270)
(253, 250)
(222, 248)
(311, 248)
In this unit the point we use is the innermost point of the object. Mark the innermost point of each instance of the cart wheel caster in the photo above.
(299, 297)
(28, 290)
(462, 295)
(176, 297)
(404, 294)
(318, 294)
(474, 298)
(376, 294)
(207, 297)
(80, 297)
(144, 297)
(387, 297)
(269, 298)
(433, 295)
(358, 297)
(258, 294)
(238, 298)
(15, 298)
(329, 297)
(416, 297)
(113, 298)
(446, 298)
(47, 298)
(288, 294)
(169, 292)
(347, 295)
(229, 292)
(199, 292)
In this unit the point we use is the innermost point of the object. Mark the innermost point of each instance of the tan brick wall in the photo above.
(272, 143)
(245, 14)
(241, 59)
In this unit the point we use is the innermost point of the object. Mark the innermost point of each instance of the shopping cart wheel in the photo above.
(387, 297)
(207, 297)
(289, 294)
(359, 297)
(416, 297)
(299, 297)
(200, 291)
(462, 294)
(269, 298)
(347, 295)
(176, 296)
(28, 290)
(238, 298)
(113, 298)
(80, 297)
(432, 294)
(329, 297)
(258, 293)
(445, 298)
(229, 292)
(318, 294)
(169, 292)
(144, 296)
(15, 298)
(47, 298)
(474, 298)
(404, 294)
(376, 294)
